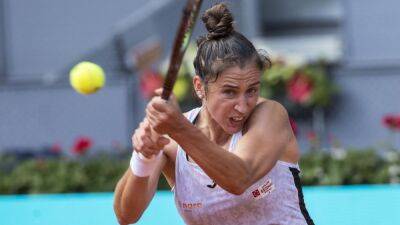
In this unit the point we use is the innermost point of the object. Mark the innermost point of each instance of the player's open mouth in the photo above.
(236, 120)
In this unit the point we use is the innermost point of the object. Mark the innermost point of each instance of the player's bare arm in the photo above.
(257, 151)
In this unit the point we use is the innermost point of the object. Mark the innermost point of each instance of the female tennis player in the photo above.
(234, 160)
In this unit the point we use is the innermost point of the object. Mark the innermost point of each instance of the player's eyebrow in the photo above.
(255, 83)
(230, 86)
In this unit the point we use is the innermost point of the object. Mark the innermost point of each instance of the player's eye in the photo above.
(252, 91)
(229, 93)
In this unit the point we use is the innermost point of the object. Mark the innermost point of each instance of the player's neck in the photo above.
(211, 128)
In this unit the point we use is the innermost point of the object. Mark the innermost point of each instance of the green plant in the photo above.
(298, 87)
(355, 167)
(102, 172)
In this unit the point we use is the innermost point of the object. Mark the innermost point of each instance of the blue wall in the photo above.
(44, 35)
(43, 116)
(366, 95)
(372, 33)
(369, 74)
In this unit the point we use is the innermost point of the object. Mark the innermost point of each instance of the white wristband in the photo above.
(143, 167)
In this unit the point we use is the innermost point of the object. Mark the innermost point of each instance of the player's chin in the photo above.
(233, 127)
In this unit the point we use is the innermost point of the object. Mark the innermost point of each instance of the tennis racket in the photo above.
(182, 38)
(181, 43)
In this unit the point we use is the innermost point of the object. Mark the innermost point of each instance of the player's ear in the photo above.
(198, 86)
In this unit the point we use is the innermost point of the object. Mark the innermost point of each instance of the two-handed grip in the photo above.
(154, 137)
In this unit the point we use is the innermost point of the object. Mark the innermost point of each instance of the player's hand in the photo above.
(165, 117)
(143, 143)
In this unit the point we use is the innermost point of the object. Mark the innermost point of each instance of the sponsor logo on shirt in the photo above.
(264, 190)
(192, 205)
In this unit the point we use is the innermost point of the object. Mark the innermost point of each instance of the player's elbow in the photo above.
(124, 217)
(127, 219)
(237, 191)
(239, 186)
(123, 221)
(242, 182)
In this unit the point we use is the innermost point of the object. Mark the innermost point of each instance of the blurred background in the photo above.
(336, 67)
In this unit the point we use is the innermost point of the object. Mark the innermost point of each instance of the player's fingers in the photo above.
(146, 154)
(153, 150)
(150, 112)
(157, 104)
(147, 142)
(136, 142)
(158, 91)
(162, 141)
(153, 120)
(146, 125)
(141, 140)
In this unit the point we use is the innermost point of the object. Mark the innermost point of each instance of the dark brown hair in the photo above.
(223, 47)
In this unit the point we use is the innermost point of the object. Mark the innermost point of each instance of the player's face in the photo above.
(233, 96)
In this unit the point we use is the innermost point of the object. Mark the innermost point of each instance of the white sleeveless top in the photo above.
(274, 199)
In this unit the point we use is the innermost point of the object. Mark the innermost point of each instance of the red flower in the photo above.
(392, 122)
(149, 82)
(293, 125)
(299, 88)
(82, 145)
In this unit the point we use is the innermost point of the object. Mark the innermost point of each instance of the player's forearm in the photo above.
(131, 197)
(228, 170)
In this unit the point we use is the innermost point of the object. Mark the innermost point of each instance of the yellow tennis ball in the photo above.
(87, 77)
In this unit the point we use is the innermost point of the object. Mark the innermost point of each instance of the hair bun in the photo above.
(219, 21)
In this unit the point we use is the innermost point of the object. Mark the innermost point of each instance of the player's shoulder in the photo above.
(266, 113)
(267, 108)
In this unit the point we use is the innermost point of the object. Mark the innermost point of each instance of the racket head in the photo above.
(181, 43)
